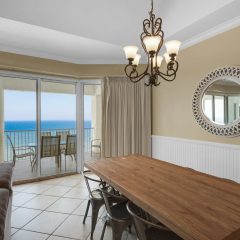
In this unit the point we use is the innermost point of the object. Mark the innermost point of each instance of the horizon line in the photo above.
(34, 120)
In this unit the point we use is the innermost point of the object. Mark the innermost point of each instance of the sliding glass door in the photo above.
(48, 126)
(58, 135)
(18, 125)
(92, 121)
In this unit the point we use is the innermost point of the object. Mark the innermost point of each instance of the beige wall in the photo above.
(10, 61)
(172, 102)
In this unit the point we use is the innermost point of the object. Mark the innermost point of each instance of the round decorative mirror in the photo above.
(216, 102)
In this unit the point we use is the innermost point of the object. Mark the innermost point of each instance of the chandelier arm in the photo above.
(134, 70)
(166, 77)
(171, 64)
(171, 73)
(170, 68)
(137, 77)
(140, 77)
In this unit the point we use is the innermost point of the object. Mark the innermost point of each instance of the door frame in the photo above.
(79, 89)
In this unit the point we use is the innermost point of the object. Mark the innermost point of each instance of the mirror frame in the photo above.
(231, 73)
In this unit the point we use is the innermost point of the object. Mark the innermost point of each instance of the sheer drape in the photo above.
(126, 118)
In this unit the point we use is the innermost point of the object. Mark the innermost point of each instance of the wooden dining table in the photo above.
(194, 205)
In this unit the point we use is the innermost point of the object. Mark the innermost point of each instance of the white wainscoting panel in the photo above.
(221, 160)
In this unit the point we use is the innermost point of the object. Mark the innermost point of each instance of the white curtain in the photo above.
(126, 118)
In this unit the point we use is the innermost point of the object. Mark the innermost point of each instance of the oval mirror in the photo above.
(221, 102)
(216, 102)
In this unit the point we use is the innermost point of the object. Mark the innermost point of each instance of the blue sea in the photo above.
(45, 125)
(22, 133)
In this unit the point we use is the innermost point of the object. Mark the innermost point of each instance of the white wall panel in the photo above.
(222, 160)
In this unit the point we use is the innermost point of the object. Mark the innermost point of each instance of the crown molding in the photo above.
(221, 28)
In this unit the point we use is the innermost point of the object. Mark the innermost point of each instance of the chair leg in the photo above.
(14, 160)
(56, 161)
(130, 228)
(32, 163)
(117, 230)
(95, 209)
(86, 212)
(65, 163)
(103, 231)
(40, 165)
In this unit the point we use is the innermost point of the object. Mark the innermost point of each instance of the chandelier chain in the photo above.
(151, 12)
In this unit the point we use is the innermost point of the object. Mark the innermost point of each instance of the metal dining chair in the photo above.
(50, 147)
(95, 199)
(21, 152)
(147, 227)
(117, 214)
(95, 143)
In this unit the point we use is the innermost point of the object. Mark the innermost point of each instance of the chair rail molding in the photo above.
(217, 159)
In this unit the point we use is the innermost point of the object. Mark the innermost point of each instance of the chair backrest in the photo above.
(50, 146)
(96, 142)
(111, 197)
(46, 133)
(143, 221)
(71, 145)
(63, 134)
(89, 180)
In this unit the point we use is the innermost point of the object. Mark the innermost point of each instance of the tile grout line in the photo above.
(33, 232)
(43, 232)
(66, 218)
(22, 228)
(29, 222)
(45, 210)
(68, 215)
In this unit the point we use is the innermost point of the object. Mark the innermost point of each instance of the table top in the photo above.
(194, 205)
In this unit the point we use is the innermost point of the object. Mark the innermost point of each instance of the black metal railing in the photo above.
(24, 138)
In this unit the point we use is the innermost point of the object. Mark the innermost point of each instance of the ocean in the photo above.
(22, 133)
(45, 125)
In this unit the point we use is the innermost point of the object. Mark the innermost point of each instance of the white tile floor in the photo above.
(54, 210)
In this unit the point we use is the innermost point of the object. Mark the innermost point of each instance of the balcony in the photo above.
(27, 138)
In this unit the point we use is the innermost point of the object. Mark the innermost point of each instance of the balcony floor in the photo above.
(23, 170)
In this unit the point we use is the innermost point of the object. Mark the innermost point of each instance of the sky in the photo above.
(21, 106)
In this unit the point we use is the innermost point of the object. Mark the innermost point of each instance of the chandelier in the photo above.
(152, 41)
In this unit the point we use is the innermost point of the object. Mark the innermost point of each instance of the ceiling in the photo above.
(94, 31)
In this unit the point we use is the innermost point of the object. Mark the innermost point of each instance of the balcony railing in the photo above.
(22, 138)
